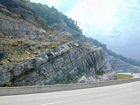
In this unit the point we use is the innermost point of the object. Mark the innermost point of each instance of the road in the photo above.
(121, 94)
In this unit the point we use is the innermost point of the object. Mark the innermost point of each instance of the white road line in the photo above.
(51, 96)
(102, 95)
(129, 90)
(53, 103)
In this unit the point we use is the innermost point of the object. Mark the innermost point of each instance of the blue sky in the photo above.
(113, 22)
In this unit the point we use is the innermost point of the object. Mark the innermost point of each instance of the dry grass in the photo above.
(124, 76)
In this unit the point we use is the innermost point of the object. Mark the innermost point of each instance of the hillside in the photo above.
(118, 62)
(111, 53)
(57, 20)
(62, 23)
(24, 34)
(121, 66)
(33, 53)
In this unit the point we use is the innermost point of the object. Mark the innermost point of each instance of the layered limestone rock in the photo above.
(121, 66)
(66, 64)
(33, 53)
(23, 35)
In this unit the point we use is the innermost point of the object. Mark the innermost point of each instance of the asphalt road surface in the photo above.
(121, 94)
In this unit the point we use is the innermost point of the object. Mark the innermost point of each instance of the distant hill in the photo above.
(121, 66)
(111, 53)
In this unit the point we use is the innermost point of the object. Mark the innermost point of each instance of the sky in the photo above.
(112, 22)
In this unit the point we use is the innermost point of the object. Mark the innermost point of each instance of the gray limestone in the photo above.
(65, 64)
(71, 62)
(6, 77)
(18, 70)
(121, 66)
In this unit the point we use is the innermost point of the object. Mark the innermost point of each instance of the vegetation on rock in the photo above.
(32, 52)
(52, 16)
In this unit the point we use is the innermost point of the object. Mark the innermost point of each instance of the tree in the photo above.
(24, 1)
(52, 15)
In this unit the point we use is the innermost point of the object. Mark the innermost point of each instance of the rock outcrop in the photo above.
(66, 64)
(19, 21)
(121, 66)
(33, 53)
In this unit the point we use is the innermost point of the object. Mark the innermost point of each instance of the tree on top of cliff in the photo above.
(52, 15)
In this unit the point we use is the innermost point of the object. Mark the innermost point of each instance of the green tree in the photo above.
(8, 84)
(52, 15)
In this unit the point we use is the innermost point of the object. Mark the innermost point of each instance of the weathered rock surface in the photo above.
(5, 77)
(121, 66)
(33, 53)
(66, 64)
(19, 21)
(14, 28)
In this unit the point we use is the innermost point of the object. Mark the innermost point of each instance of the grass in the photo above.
(124, 76)
(17, 54)
(52, 47)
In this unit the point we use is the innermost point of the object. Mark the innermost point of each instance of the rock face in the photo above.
(121, 66)
(75, 34)
(18, 21)
(33, 53)
(66, 64)
(23, 34)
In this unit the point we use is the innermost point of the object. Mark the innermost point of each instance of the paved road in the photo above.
(122, 94)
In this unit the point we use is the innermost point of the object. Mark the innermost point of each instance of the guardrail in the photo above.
(60, 87)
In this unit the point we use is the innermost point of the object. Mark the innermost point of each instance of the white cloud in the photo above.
(94, 16)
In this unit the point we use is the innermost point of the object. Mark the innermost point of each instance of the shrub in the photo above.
(100, 72)
(8, 84)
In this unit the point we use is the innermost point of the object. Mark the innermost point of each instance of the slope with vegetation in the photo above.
(52, 16)
(118, 62)
(62, 23)
(33, 53)
(111, 53)
(56, 19)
